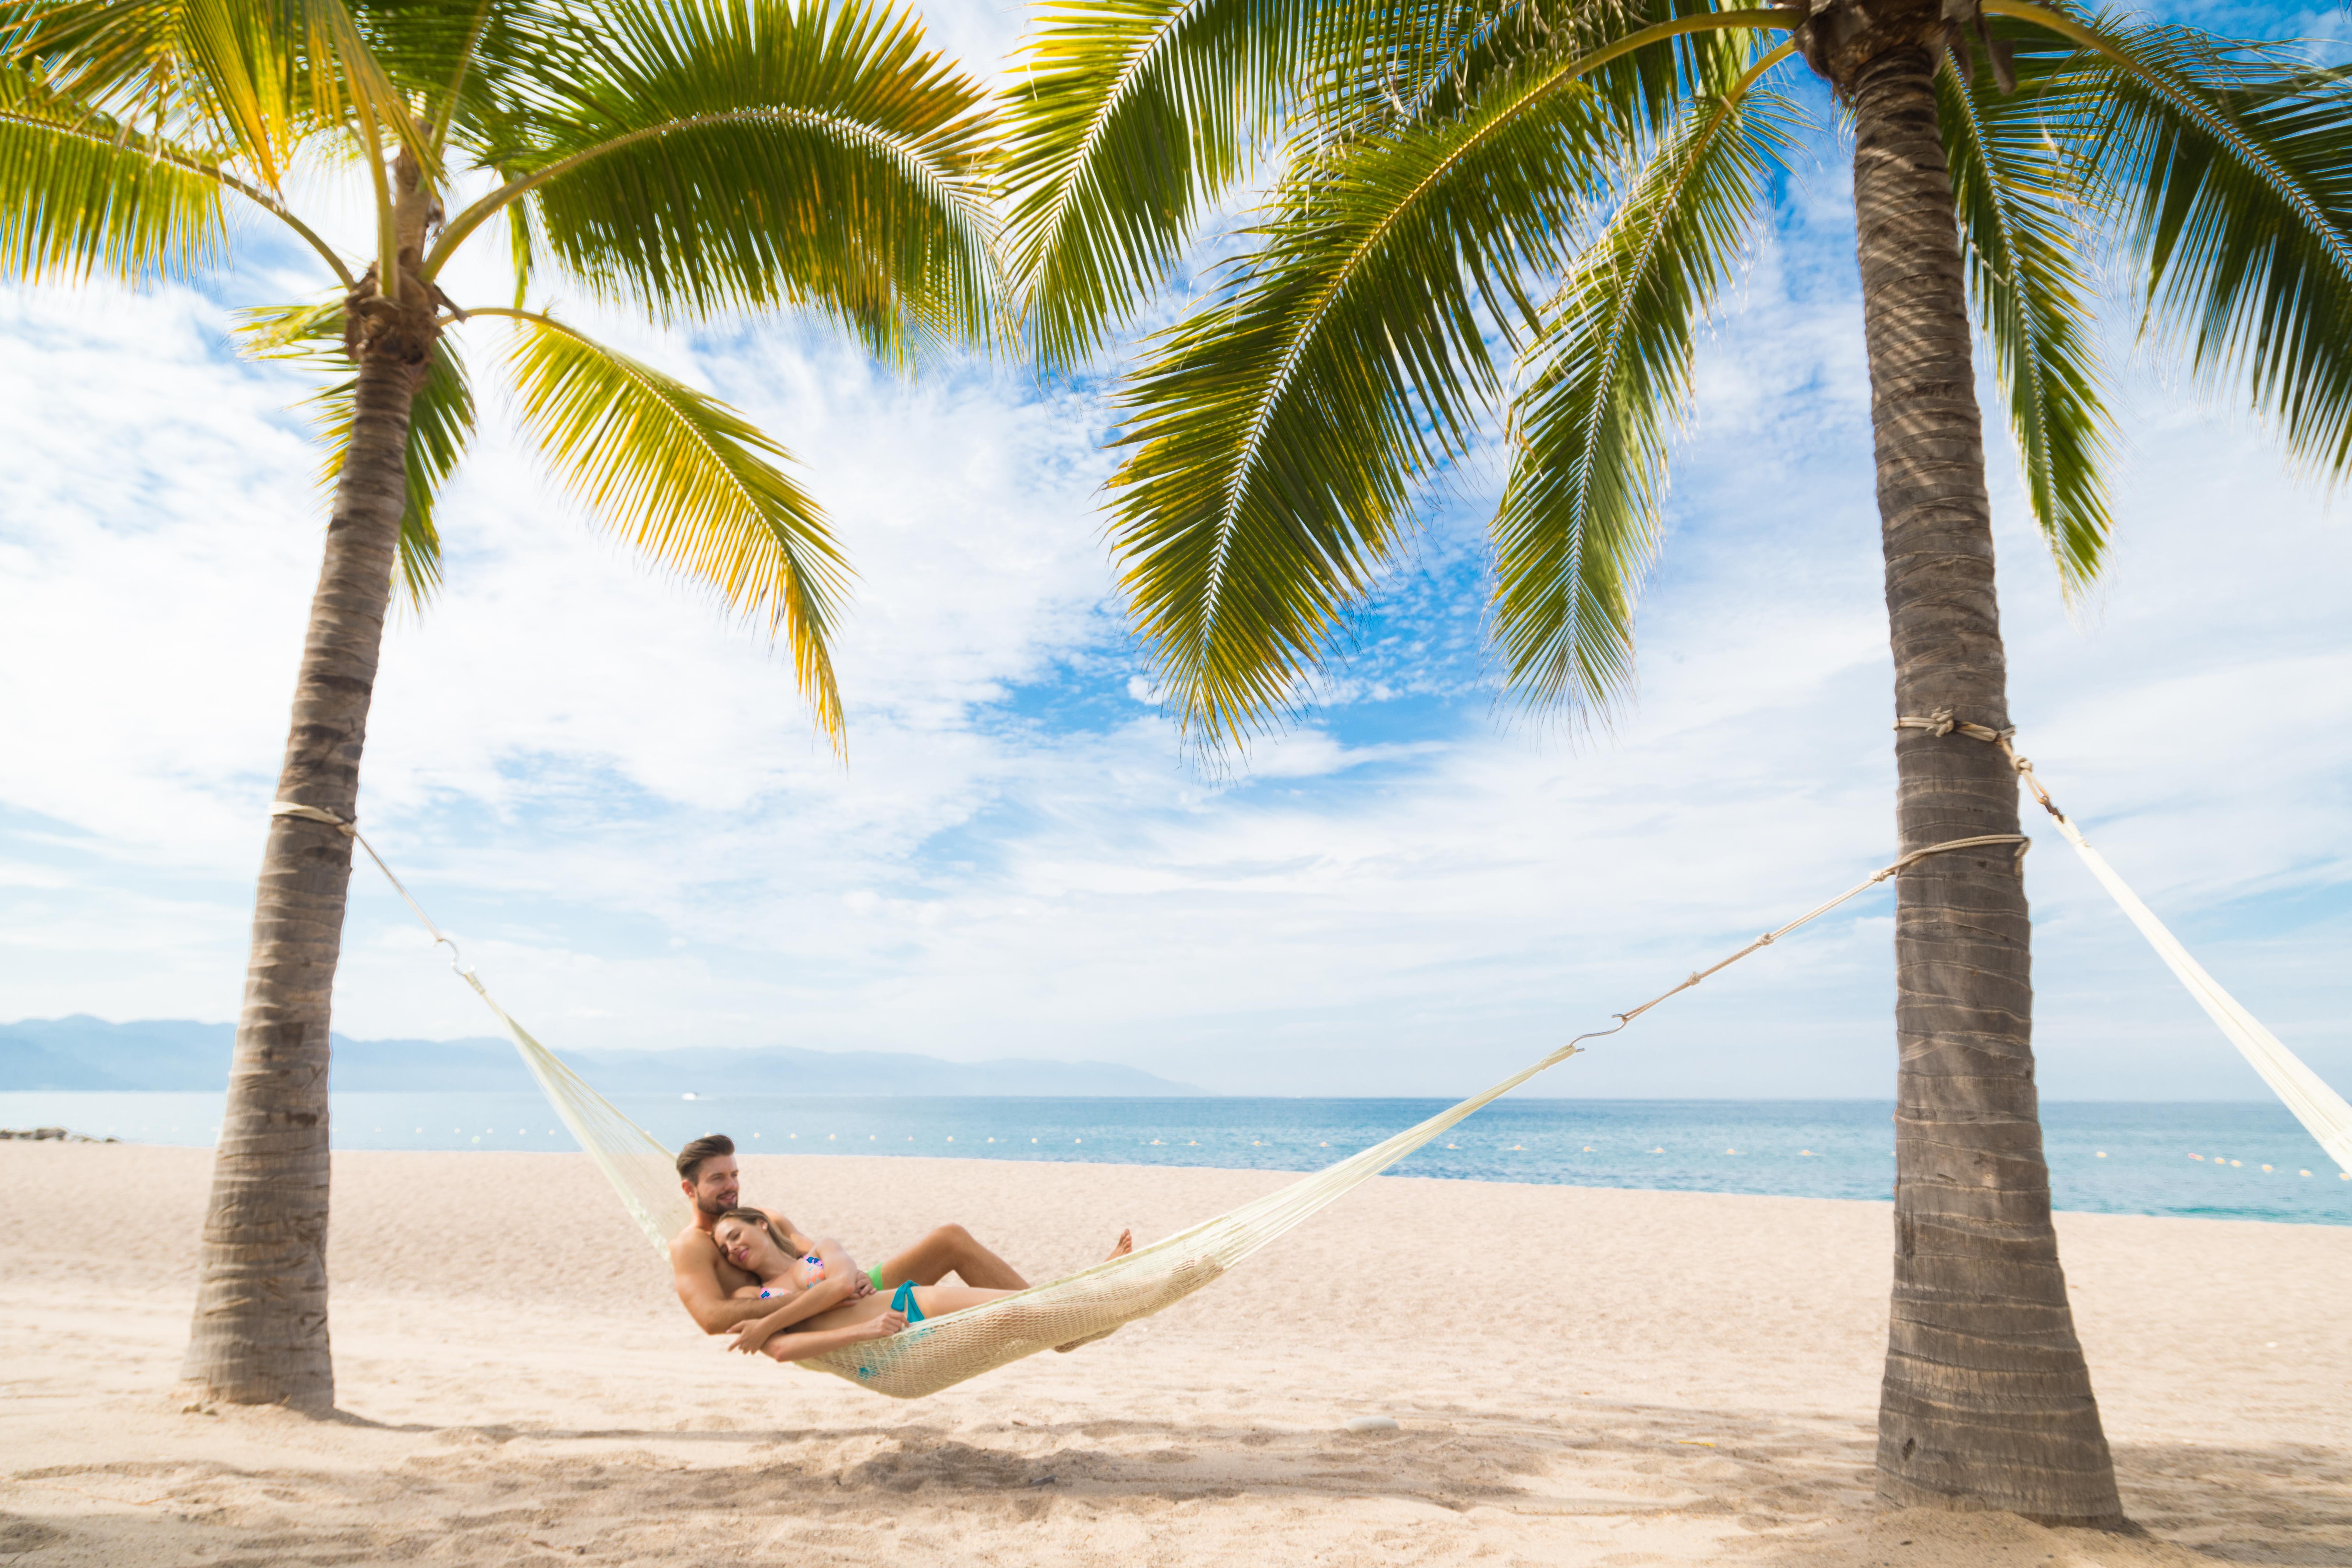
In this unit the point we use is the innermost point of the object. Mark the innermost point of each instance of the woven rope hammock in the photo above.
(942, 1352)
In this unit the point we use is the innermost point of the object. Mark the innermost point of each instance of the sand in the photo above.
(1639, 1378)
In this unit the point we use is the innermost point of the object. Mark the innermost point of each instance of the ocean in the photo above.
(2216, 1161)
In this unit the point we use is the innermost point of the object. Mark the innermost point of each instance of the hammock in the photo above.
(941, 1351)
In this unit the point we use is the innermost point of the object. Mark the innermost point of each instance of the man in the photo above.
(707, 1283)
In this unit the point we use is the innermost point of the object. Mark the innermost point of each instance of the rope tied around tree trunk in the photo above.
(350, 829)
(1943, 722)
(2324, 1113)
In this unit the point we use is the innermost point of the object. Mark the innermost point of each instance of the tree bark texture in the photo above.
(1987, 1401)
(260, 1331)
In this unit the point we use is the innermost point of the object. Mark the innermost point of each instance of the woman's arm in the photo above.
(816, 1341)
(752, 1332)
(840, 1284)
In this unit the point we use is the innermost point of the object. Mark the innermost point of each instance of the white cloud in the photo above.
(614, 798)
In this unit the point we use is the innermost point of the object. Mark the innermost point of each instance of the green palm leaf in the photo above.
(693, 485)
(81, 193)
(263, 76)
(462, 61)
(1431, 62)
(2019, 204)
(1125, 120)
(1578, 521)
(2233, 169)
(225, 65)
(707, 157)
(1282, 431)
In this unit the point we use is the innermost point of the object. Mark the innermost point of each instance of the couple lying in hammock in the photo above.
(750, 1273)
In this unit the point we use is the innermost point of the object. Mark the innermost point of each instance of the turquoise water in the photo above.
(2109, 1158)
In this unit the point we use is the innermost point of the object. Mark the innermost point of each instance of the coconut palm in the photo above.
(1444, 185)
(689, 159)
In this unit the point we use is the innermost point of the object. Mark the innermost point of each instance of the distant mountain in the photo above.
(83, 1052)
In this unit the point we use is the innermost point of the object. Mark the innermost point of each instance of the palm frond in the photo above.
(708, 157)
(460, 62)
(231, 67)
(347, 83)
(522, 250)
(1579, 523)
(2231, 166)
(80, 194)
(2021, 206)
(1430, 62)
(1125, 120)
(258, 79)
(1282, 430)
(692, 484)
(440, 422)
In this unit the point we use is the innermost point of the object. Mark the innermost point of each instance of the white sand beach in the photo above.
(1638, 1378)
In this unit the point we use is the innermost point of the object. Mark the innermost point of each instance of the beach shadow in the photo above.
(2189, 1504)
(1782, 1490)
(2287, 1503)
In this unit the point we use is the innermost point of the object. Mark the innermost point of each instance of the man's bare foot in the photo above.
(1122, 1247)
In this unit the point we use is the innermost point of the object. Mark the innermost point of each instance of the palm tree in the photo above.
(690, 158)
(1579, 182)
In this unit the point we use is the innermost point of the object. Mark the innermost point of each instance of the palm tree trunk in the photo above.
(1987, 1401)
(260, 1333)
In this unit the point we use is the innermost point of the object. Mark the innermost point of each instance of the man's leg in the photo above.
(951, 1249)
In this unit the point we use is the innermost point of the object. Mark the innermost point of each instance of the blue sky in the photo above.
(613, 796)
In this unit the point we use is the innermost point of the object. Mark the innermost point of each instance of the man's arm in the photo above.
(694, 1271)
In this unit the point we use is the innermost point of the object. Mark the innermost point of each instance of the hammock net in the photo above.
(2319, 1108)
(942, 1352)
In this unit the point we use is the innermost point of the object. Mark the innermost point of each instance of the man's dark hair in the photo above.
(690, 1158)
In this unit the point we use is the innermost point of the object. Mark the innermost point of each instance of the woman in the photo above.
(822, 1298)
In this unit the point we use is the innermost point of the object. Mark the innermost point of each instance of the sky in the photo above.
(613, 796)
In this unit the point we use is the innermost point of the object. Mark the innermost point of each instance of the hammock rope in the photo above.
(2322, 1110)
(1064, 1313)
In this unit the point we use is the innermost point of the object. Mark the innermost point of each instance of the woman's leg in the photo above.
(938, 1301)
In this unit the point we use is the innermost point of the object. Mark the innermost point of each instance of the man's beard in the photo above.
(713, 1209)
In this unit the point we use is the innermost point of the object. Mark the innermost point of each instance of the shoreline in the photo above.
(2324, 1221)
